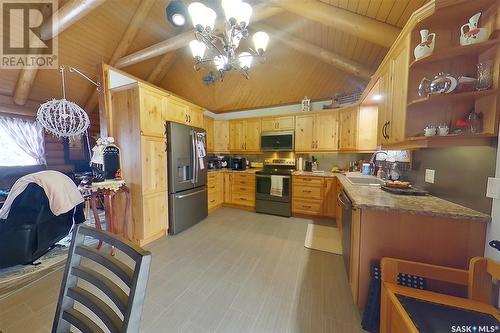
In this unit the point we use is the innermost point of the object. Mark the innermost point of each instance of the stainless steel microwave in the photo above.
(277, 141)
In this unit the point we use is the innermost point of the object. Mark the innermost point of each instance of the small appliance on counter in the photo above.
(238, 163)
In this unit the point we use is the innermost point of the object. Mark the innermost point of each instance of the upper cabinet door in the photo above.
(152, 122)
(348, 128)
(285, 123)
(237, 135)
(399, 62)
(326, 126)
(304, 129)
(269, 124)
(221, 135)
(195, 117)
(208, 124)
(176, 111)
(384, 107)
(253, 130)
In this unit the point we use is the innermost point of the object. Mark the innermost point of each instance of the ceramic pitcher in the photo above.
(426, 46)
(471, 33)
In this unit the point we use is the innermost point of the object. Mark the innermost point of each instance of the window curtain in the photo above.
(28, 135)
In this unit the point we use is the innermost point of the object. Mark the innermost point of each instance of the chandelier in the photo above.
(222, 48)
(63, 118)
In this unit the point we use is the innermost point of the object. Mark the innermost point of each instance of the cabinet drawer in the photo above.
(243, 199)
(308, 181)
(307, 192)
(309, 207)
(243, 177)
(243, 188)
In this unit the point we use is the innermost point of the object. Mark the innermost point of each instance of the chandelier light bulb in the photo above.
(245, 59)
(244, 14)
(210, 17)
(231, 9)
(197, 48)
(198, 12)
(260, 41)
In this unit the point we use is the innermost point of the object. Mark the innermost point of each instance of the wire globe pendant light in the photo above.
(63, 118)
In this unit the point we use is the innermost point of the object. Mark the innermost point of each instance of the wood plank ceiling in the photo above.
(284, 78)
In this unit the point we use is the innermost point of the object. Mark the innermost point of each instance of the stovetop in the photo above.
(275, 171)
(283, 166)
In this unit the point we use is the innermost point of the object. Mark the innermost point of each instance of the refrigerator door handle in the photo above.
(193, 146)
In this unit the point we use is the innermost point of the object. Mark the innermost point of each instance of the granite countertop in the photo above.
(225, 170)
(372, 197)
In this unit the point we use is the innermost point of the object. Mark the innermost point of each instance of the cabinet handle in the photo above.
(243, 189)
(305, 206)
(387, 129)
(211, 201)
(306, 191)
(189, 118)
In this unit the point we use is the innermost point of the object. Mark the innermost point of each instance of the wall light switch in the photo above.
(493, 188)
(429, 175)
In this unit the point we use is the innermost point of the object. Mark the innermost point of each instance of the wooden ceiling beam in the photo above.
(351, 23)
(161, 69)
(261, 12)
(66, 16)
(127, 38)
(322, 54)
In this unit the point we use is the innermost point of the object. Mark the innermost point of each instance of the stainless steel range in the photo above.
(273, 193)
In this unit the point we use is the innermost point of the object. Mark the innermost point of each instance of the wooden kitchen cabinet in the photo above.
(154, 164)
(215, 190)
(227, 188)
(367, 128)
(348, 128)
(243, 189)
(307, 195)
(221, 135)
(330, 200)
(317, 132)
(393, 87)
(245, 135)
(270, 124)
(151, 112)
(208, 125)
(180, 111)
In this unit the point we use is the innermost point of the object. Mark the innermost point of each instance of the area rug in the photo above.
(323, 238)
(17, 277)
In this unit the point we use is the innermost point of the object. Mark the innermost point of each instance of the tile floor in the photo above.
(237, 271)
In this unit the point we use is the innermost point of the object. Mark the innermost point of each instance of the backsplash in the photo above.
(325, 160)
(461, 174)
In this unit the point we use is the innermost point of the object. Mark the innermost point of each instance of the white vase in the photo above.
(470, 33)
(426, 46)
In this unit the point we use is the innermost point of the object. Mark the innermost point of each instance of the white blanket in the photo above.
(277, 185)
(62, 193)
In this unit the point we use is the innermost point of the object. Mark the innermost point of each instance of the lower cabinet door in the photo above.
(155, 216)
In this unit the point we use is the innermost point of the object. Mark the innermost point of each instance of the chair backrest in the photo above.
(126, 296)
(481, 272)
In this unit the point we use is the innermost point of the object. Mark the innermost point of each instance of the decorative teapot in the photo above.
(426, 46)
(471, 33)
(441, 84)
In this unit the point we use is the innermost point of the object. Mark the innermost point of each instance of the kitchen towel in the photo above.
(277, 185)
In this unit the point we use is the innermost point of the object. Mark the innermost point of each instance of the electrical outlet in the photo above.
(493, 188)
(429, 175)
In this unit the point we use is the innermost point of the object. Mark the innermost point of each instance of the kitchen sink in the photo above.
(367, 180)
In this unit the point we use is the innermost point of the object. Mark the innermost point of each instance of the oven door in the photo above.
(263, 189)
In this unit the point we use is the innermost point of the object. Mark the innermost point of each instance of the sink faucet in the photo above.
(373, 160)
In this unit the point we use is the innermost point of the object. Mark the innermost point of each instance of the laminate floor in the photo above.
(237, 271)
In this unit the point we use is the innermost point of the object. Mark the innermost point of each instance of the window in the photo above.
(21, 142)
(11, 154)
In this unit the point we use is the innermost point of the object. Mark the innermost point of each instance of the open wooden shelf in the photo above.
(440, 55)
(449, 140)
(452, 97)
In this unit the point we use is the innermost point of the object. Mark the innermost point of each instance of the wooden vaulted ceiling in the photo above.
(287, 75)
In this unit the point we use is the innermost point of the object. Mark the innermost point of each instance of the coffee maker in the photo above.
(238, 163)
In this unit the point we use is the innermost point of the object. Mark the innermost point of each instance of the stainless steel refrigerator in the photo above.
(187, 177)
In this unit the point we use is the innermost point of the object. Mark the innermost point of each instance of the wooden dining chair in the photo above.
(121, 282)
(411, 310)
